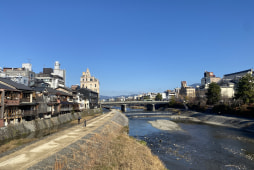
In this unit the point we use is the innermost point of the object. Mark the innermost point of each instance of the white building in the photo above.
(227, 91)
(23, 75)
(229, 81)
(53, 77)
(59, 72)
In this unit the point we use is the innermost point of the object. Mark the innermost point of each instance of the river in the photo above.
(195, 145)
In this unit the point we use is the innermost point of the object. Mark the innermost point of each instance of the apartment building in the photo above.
(23, 75)
(208, 78)
(53, 78)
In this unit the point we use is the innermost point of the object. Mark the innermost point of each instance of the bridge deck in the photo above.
(134, 102)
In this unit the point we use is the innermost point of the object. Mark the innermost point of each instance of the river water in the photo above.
(196, 146)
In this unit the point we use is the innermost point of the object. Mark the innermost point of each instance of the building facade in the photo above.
(23, 75)
(229, 82)
(89, 82)
(208, 78)
(187, 91)
(54, 78)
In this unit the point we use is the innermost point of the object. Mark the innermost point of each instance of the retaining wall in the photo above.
(120, 119)
(24, 128)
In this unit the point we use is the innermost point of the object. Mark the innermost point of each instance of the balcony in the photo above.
(52, 99)
(11, 102)
(25, 100)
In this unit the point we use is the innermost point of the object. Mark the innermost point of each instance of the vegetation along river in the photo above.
(188, 145)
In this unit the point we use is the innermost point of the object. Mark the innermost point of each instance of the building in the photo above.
(89, 82)
(208, 78)
(23, 75)
(229, 82)
(187, 91)
(17, 102)
(90, 97)
(234, 77)
(53, 78)
(170, 94)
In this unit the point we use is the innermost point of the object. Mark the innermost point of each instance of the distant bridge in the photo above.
(150, 104)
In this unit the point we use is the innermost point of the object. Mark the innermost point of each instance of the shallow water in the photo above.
(197, 146)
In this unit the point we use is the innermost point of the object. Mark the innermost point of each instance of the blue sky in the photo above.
(131, 46)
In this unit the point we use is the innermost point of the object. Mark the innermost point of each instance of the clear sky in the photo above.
(131, 46)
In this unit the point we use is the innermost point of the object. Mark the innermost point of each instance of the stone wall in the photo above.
(24, 128)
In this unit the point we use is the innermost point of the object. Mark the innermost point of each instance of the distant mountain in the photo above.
(109, 97)
(105, 97)
(195, 85)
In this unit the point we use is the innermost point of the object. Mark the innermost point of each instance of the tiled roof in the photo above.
(41, 89)
(51, 91)
(14, 84)
(2, 86)
(240, 72)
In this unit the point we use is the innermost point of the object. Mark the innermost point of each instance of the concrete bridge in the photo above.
(149, 104)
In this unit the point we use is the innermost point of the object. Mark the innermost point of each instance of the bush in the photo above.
(176, 105)
(222, 109)
(197, 108)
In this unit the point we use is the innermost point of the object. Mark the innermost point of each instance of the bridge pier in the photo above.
(123, 107)
(151, 107)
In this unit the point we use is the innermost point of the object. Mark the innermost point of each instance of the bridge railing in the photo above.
(133, 102)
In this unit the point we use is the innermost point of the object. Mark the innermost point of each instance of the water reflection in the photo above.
(198, 146)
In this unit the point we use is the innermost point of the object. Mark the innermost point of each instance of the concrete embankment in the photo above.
(229, 121)
(89, 148)
(25, 128)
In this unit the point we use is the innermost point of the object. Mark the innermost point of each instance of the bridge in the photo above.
(149, 104)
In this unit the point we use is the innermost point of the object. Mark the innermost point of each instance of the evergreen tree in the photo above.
(214, 93)
(245, 89)
(158, 97)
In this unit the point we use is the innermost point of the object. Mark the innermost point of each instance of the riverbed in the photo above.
(194, 145)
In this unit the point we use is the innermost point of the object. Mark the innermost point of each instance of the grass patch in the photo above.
(111, 150)
(15, 143)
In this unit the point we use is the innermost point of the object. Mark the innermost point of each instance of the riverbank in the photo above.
(35, 128)
(14, 141)
(103, 144)
(108, 147)
(221, 120)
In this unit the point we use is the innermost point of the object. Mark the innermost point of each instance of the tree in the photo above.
(146, 97)
(214, 93)
(172, 100)
(245, 89)
(158, 97)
